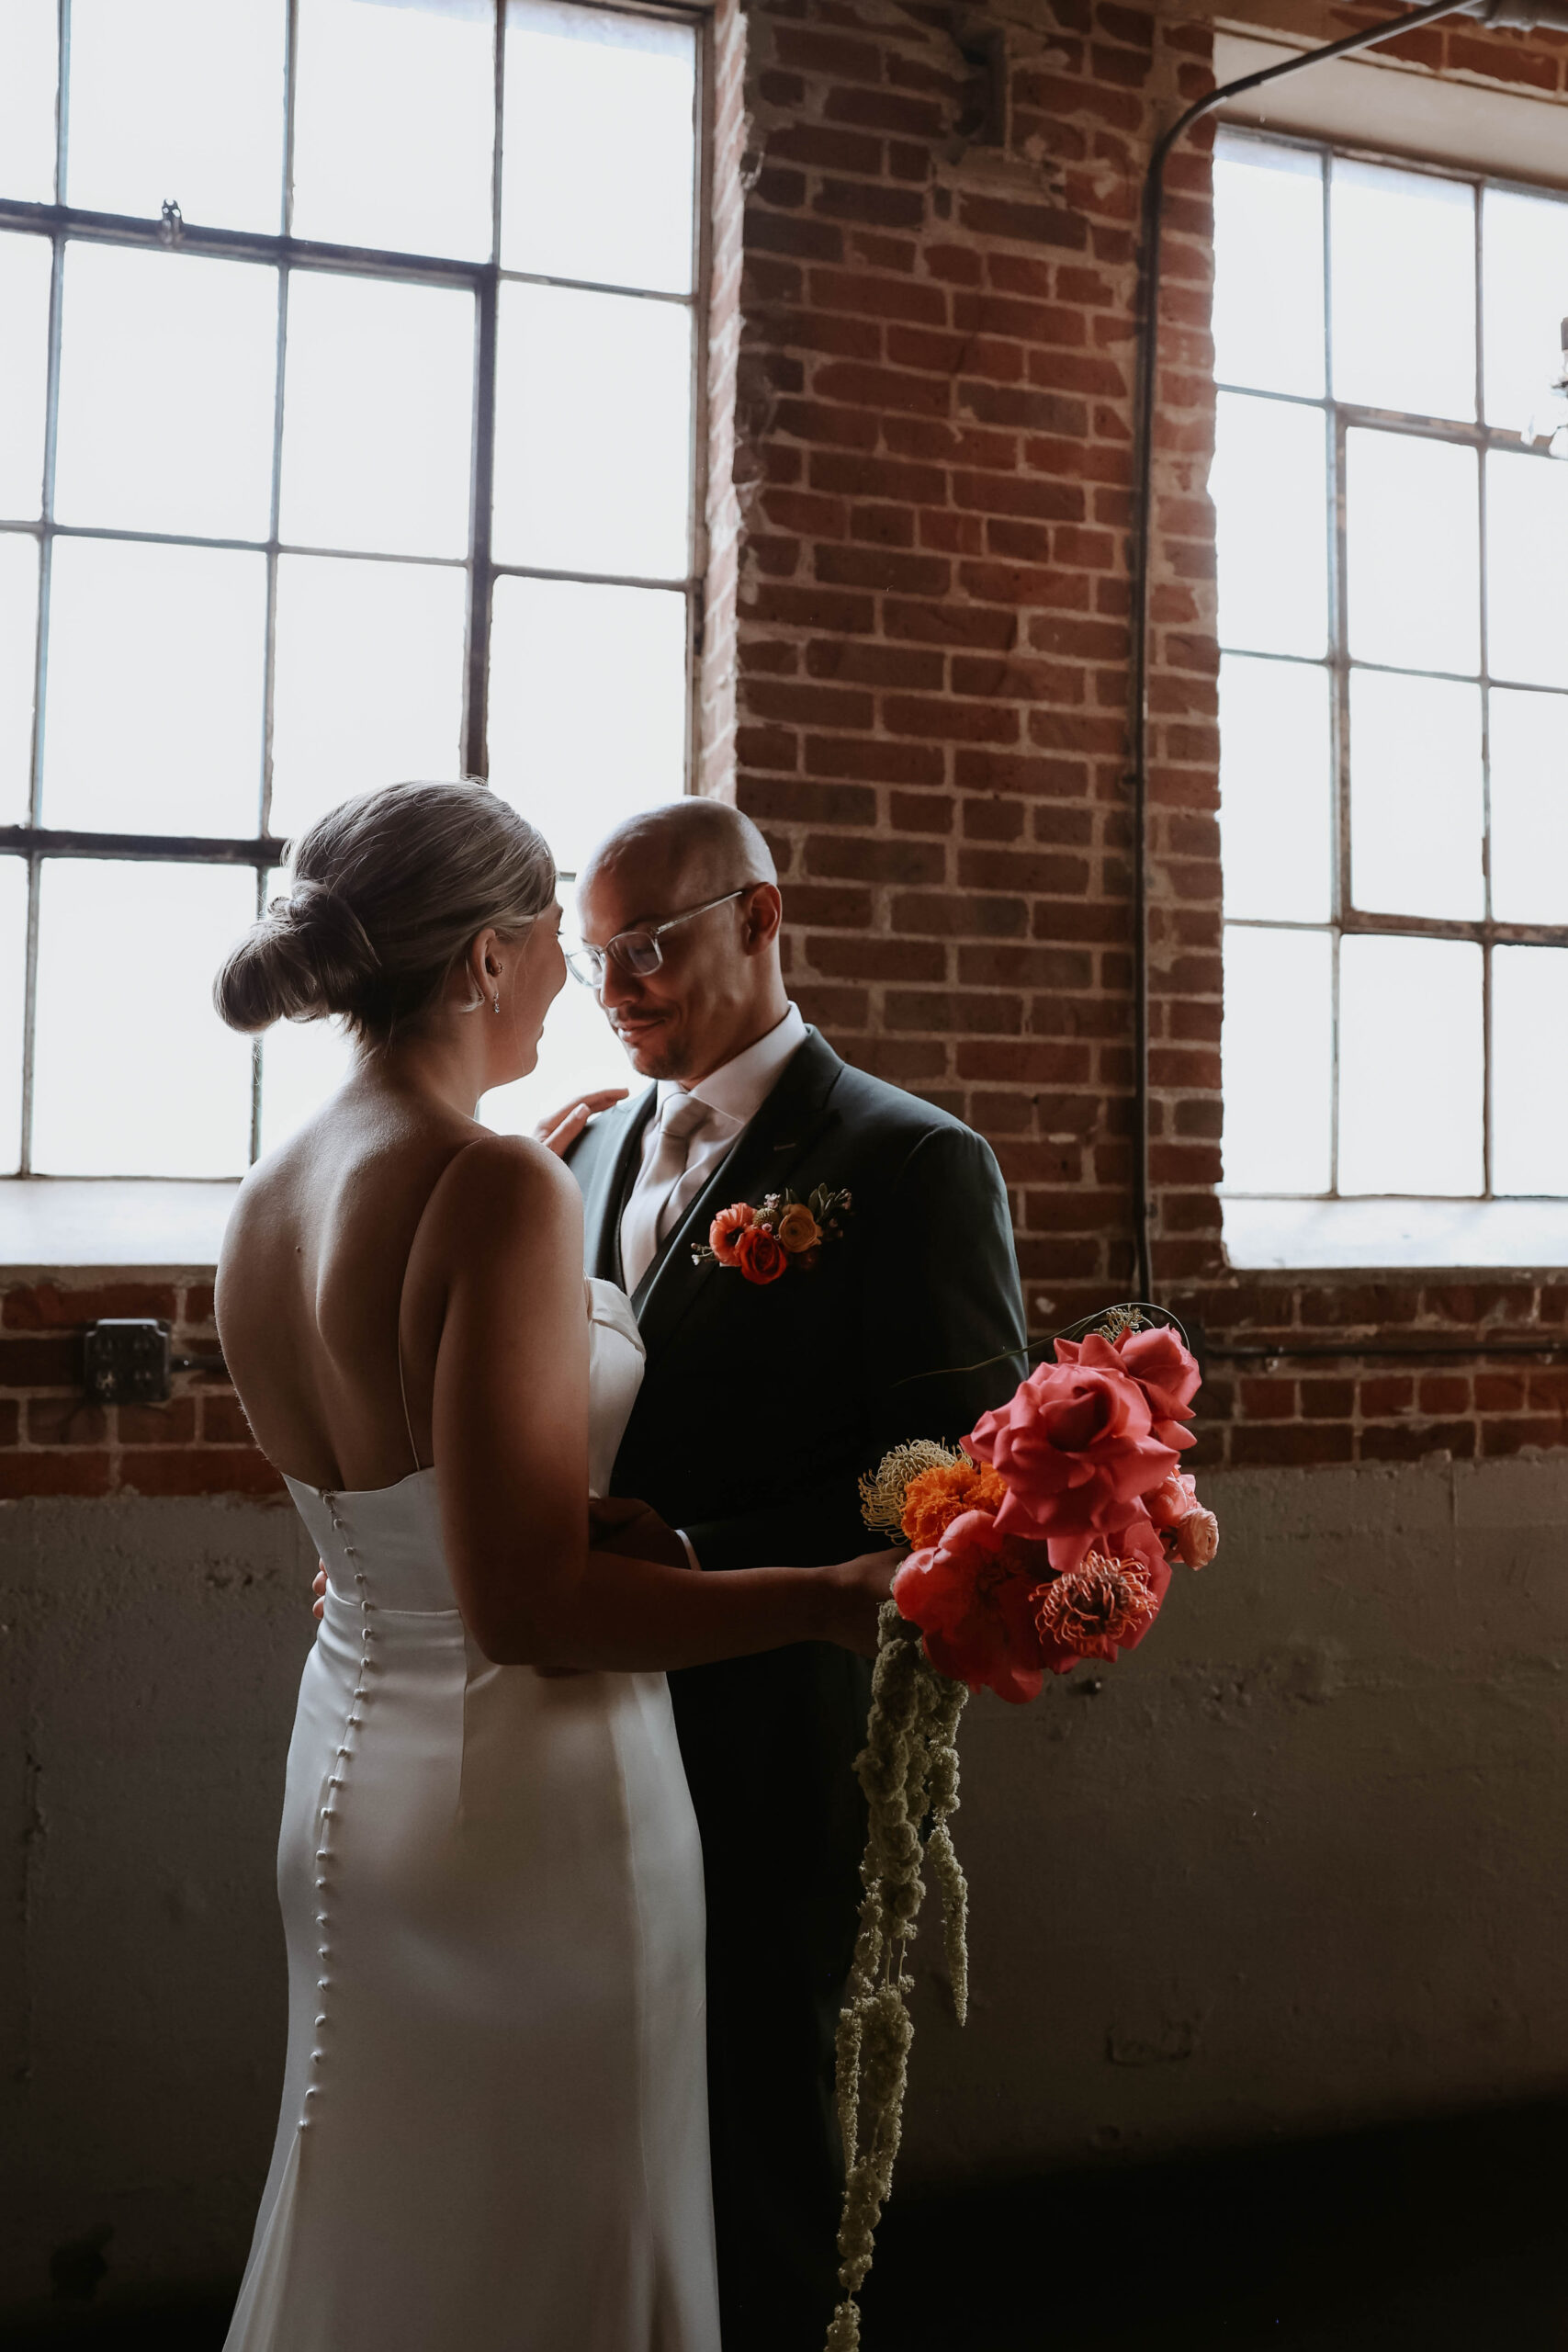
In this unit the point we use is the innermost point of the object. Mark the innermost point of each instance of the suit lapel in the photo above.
(761, 1162)
(615, 1168)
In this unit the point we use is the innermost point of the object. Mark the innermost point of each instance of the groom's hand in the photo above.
(561, 1129)
(320, 1590)
(620, 1523)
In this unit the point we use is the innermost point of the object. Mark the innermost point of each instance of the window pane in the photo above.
(29, 35)
(24, 373)
(1412, 527)
(394, 124)
(592, 461)
(12, 980)
(1278, 1060)
(1404, 291)
(19, 660)
(179, 99)
(574, 757)
(378, 415)
(1269, 486)
(1410, 1103)
(368, 683)
(303, 1062)
(156, 667)
(1276, 778)
(1527, 539)
(578, 1053)
(1525, 289)
(1529, 1114)
(1267, 266)
(600, 146)
(1529, 744)
(167, 385)
(1418, 810)
(134, 1074)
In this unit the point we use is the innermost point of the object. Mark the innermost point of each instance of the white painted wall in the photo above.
(1296, 1863)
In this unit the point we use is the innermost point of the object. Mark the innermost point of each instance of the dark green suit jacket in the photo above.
(761, 1407)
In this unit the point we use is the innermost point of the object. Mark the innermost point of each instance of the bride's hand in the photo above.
(561, 1129)
(320, 1590)
(857, 1589)
(620, 1523)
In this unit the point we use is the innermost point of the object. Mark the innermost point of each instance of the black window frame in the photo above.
(34, 842)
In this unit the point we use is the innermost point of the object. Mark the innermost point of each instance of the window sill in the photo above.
(1303, 1236)
(51, 1224)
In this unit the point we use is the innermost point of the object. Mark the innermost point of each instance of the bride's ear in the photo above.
(480, 973)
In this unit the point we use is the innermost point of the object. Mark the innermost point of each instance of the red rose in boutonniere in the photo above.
(786, 1234)
(759, 1255)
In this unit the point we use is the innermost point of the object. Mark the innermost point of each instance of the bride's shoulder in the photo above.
(499, 1180)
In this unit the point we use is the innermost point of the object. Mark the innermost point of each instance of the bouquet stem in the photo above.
(908, 1771)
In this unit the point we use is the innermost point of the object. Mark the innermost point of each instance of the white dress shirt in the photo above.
(734, 1095)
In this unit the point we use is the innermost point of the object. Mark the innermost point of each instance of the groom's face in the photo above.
(682, 1021)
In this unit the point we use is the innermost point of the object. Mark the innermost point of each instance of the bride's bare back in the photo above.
(333, 1272)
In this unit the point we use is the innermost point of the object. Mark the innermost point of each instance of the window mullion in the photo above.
(475, 750)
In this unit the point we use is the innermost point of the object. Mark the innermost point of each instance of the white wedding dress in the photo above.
(494, 2125)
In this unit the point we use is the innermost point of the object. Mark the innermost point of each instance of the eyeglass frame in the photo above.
(596, 958)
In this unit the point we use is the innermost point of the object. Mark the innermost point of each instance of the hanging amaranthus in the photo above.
(908, 1771)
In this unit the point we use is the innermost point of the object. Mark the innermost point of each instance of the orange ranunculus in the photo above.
(798, 1229)
(724, 1232)
(759, 1255)
(934, 1500)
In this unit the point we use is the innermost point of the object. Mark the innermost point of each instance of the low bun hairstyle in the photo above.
(386, 892)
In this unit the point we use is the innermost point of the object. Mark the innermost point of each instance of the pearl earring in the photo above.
(496, 1003)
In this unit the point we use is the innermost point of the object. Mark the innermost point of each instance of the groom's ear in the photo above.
(763, 912)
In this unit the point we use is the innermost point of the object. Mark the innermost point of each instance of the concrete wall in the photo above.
(1296, 1863)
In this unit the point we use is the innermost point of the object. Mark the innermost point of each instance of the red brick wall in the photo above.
(915, 676)
(54, 1442)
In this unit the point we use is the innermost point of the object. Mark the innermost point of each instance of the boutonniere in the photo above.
(786, 1233)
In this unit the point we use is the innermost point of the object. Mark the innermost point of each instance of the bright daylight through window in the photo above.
(1394, 705)
(287, 513)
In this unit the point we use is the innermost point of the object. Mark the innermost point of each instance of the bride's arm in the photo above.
(511, 1436)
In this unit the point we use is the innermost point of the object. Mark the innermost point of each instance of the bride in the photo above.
(494, 2130)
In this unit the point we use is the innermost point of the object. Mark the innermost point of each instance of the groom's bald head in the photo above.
(698, 849)
(720, 986)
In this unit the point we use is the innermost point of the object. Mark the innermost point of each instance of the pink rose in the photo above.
(1075, 1445)
(973, 1595)
(1198, 1538)
(1168, 1374)
(1174, 1501)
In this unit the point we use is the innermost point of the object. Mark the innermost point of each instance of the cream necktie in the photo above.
(679, 1121)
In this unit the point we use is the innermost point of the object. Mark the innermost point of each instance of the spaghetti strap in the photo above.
(402, 1384)
(403, 1388)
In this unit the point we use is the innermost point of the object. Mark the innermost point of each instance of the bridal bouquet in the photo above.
(1046, 1538)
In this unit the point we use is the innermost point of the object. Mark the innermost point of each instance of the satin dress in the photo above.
(493, 2134)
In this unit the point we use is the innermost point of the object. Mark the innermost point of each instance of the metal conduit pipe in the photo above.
(1522, 15)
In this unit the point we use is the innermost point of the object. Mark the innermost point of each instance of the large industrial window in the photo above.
(347, 363)
(1394, 678)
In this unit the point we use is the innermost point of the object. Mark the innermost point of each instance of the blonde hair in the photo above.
(386, 892)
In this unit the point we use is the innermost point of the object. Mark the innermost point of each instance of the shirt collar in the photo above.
(738, 1089)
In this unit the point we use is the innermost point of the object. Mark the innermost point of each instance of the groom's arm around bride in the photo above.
(764, 1402)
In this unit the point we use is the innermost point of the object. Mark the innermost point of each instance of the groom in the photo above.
(762, 1405)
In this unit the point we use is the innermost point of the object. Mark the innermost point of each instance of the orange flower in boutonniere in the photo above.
(785, 1235)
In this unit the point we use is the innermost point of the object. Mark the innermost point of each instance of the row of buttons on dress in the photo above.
(329, 1810)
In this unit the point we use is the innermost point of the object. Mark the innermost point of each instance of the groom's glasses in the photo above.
(637, 951)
